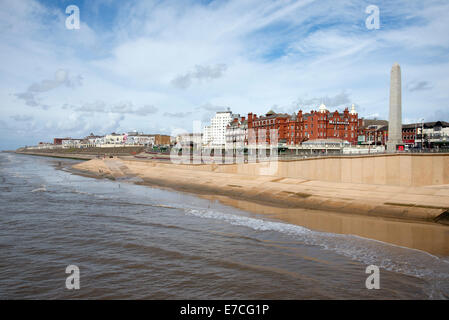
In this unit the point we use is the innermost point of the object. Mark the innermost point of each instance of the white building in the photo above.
(115, 138)
(189, 139)
(44, 145)
(237, 133)
(215, 134)
(71, 143)
(435, 134)
(98, 142)
(94, 140)
(140, 139)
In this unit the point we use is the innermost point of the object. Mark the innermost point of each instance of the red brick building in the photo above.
(272, 120)
(296, 128)
(375, 132)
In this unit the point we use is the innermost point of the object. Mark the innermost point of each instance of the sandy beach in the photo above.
(426, 203)
(407, 216)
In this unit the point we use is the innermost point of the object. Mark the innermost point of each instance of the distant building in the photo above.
(162, 140)
(426, 134)
(140, 139)
(71, 143)
(432, 134)
(296, 128)
(323, 124)
(236, 133)
(215, 133)
(372, 132)
(94, 140)
(263, 124)
(115, 139)
(189, 139)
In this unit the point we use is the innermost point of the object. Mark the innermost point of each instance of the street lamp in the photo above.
(422, 133)
(416, 135)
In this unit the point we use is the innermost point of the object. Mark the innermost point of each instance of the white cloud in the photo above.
(61, 78)
(418, 86)
(199, 73)
(22, 117)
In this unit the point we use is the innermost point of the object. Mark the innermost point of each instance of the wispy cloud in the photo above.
(419, 86)
(21, 117)
(199, 73)
(208, 110)
(339, 99)
(61, 78)
(177, 114)
(125, 107)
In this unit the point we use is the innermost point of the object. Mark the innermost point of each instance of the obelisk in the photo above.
(395, 120)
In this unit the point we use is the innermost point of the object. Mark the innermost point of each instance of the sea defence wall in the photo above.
(397, 169)
(386, 169)
(304, 184)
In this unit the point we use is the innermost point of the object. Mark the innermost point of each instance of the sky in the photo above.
(157, 66)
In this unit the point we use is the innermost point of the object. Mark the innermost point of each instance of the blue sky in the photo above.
(156, 66)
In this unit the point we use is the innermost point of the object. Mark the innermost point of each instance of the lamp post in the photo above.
(422, 133)
(414, 141)
(375, 137)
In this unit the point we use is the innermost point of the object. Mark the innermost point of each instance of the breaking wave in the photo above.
(43, 188)
(367, 251)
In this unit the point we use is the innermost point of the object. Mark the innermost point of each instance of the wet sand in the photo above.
(425, 236)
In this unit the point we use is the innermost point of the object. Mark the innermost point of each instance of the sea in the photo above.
(130, 241)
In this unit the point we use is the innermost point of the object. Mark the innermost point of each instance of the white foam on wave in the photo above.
(81, 192)
(41, 189)
(367, 251)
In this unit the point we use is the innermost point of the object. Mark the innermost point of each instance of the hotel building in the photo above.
(297, 128)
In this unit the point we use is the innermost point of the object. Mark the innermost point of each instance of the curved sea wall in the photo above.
(280, 187)
(395, 169)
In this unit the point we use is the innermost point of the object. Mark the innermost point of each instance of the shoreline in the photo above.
(59, 155)
(409, 203)
(416, 233)
(424, 236)
(82, 154)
